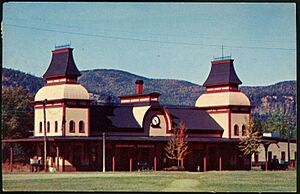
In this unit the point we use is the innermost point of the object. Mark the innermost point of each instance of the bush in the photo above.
(174, 168)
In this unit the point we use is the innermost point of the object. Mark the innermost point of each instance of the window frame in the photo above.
(72, 130)
(55, 126)
(48, 126)
(41, 127)
(244, 131)
(81, 127)
(236, 131)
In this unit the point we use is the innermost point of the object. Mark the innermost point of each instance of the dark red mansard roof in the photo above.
(62, 64)
(222, 73)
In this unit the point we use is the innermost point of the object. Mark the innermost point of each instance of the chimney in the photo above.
(139, 86)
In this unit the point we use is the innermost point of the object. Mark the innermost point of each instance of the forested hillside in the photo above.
(114, 83)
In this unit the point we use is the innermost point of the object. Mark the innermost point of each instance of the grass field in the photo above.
(242, 181)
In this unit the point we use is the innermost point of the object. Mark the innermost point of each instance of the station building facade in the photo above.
(85, 136)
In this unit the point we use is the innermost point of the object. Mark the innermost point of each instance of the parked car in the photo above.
(274, 164)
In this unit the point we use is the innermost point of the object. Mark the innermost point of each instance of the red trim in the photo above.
(220, 163)
(229, 124)
(153, 94)
(64, 121)
(89, 122)
(221, 84)
(220, 91)
(55, 76)
(222, 61)
(11, 159)
(169, 121)
(130, 165)
(218, 112)
(62, 50)
(51, 106)
(154, 163)
(113, 163)
(204, 163)
(61, 83)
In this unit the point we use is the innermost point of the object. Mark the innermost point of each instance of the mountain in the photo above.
(108, 82)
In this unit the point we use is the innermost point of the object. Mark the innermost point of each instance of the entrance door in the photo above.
(77, 155)
(123, 155)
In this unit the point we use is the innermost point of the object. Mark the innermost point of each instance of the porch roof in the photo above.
(128, 138)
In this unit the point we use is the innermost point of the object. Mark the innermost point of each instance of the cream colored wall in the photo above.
(159, 131)
(240, 120)
(222, 99)
(222, 120)
(139, 113)
(77, 114)
(52, 115)
(283, 147)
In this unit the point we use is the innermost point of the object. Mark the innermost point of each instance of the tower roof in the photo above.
(62, 64)
(222, 73)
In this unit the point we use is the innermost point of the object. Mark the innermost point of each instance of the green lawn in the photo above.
(243, 181)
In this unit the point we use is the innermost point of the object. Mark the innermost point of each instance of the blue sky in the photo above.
(155, 40)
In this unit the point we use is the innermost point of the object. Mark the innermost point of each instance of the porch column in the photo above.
(103, 152)
(113, 163)
(204, 163)
(266, 155)
(130, 164)
(11, 159)
(220, 163)
(154, 163)
(57, 158)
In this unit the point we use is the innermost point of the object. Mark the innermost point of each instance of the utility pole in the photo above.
(103, 151)
(289, 151)
(45, 140)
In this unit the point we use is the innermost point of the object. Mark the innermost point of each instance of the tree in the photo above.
(177, 146)
(278, 122)
(16, 119)
(250, 144)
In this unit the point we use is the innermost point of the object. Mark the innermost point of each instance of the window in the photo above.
(256, 157)
(41, 127)
(236, 130)
(81, 127)
(48, 127)
(244, 130)
(56, 126)
(283, 156)
(269, 156)
(72, 127)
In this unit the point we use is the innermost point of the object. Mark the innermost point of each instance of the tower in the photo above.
(65, 101)
(223, 99)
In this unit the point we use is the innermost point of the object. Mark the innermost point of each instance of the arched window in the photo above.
(81, 127)
(56, 126)
(244, 130)
(41, 127)
(236, 130)
(48, 127)
(72, 127)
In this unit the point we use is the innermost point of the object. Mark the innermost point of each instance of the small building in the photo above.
(84, 136)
